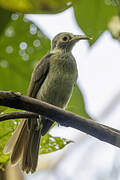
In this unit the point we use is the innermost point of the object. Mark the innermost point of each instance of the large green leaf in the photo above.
(21, 46)
(76, 103)
(36, 6)
(93, 16)
(4, 18)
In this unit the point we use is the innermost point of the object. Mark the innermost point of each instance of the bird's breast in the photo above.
(59, 83)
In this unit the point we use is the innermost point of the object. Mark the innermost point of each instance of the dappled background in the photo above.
(24, 39)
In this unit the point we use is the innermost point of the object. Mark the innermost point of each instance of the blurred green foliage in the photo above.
(5, 16)
(36, 6)
(22, 44)
(6, 130)
(50, 144)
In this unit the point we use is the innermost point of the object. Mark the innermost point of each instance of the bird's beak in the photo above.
(80, 37)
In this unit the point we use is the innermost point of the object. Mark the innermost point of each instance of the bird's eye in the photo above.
(65, 38)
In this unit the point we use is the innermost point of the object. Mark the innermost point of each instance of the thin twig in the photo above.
(18, 115)
(65, 118)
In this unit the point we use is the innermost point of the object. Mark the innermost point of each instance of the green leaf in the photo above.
(21, 46)
(51, 144)
(4, 18)
(76, 103)
(36, 6)
(93, 16)
(6, 130)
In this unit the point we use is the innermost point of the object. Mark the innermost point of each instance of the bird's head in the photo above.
(65, 41)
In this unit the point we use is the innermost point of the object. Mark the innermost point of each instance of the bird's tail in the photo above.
(24, 146)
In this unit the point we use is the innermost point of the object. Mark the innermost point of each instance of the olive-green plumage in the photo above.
(52, 81)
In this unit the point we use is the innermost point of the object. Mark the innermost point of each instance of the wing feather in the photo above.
(38, 76)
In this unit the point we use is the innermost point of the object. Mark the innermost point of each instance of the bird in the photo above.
(52, 81)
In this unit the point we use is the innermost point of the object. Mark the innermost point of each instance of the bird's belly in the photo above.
(56, 90)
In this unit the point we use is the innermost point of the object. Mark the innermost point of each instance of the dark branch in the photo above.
(65, 118)
(25, 114)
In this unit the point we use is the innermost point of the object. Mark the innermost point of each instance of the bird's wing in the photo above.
(38, 76)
